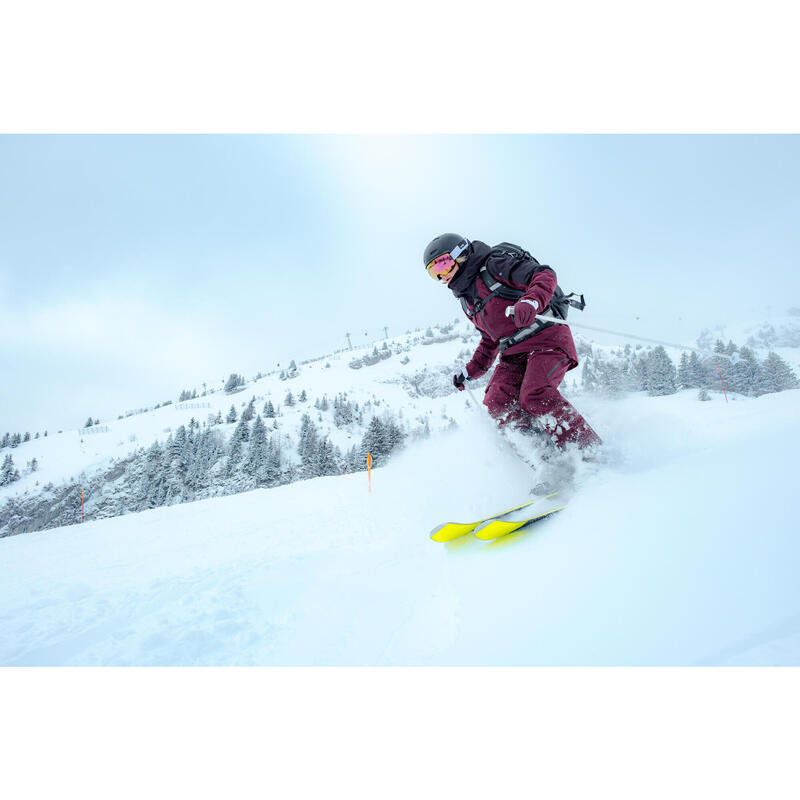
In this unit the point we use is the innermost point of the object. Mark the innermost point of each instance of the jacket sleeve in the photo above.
(541, 287)
(538, 281)
(483, 358)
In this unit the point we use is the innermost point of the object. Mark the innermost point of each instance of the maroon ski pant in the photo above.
(524, 387)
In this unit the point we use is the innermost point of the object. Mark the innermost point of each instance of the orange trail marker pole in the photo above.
(369, 471)
(723, 383)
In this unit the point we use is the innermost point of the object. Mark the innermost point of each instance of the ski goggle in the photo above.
(441, 267)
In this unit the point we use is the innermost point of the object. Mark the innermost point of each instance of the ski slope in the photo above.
(684, 549)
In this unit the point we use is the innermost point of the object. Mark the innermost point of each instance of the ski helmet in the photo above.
(450, 243)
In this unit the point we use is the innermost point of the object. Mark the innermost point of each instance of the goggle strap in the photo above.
(459, 249)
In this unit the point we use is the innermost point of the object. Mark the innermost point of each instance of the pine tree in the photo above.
(343, 411)
(776, 374)
(745, 374)
(303, 396)
(641, 369)
(685, 377)
(661, 373)
(231, 415)
(236, 446)
(176, 465)
(250, 411)
(308, 446)
(8, 473)
(256, 463)
(327, 459)
(151, 489)
(376, 441)
(206, 450)
(395, 436)
(274, 460)
(696, 374)
(234, 382)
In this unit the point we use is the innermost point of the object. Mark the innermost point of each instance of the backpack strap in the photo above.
(496, 289)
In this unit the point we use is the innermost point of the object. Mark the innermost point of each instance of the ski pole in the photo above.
(472, 398)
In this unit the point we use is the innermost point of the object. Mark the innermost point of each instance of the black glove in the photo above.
(458, 381)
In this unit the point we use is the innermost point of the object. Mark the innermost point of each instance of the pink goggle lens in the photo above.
(441, 267)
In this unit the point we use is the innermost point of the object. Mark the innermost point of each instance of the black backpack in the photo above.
(559, 306)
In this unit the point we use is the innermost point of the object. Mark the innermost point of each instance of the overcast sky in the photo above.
(132, 267)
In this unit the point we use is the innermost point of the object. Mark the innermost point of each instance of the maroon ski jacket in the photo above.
(537, 281)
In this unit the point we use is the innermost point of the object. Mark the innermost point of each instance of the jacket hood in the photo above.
(465, 277)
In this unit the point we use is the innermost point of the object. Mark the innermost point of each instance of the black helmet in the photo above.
(450, 243)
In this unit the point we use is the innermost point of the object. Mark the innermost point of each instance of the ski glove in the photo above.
(525, 312)
(458, 381)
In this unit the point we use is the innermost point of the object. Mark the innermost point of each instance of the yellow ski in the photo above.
(496, 528)
(449, 531)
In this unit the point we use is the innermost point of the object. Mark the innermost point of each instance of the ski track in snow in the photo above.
(682, 550)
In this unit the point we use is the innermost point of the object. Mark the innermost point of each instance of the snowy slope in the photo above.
(683, 550)
(65, 455)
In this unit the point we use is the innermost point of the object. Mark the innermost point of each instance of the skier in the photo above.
(502, 289)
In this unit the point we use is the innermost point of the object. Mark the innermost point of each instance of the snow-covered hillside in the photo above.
(681, 550)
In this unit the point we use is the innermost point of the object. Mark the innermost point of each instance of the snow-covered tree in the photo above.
(685, 377)
(745, 375)
(380, 439)
(661, 373)
(236, 447)
(257, 461)
(328, 458)
(344, 412)
(234, 382)
(776, 374)
(8, 473)
(307, 446)
(249, 411)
